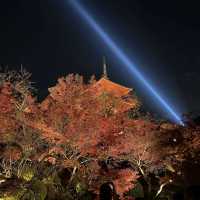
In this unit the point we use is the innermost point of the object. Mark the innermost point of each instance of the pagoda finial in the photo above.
(105, 74)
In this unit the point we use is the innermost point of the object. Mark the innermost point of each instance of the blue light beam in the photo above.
(125, 60)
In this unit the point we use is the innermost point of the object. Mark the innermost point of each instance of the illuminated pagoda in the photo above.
(126, 98)
(123, 97)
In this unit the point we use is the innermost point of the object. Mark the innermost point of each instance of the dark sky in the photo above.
(50, 39)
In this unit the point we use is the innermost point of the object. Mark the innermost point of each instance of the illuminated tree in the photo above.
(99, 136)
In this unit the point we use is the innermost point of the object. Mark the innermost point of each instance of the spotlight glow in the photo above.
(125, 60)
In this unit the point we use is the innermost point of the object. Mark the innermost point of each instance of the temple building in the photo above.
(126, 98)
(123, 97)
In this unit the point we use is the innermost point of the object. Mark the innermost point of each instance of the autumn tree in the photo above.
(102, 138)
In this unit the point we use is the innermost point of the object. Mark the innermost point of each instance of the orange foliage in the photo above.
(95, 123)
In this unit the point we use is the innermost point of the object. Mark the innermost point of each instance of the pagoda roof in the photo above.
(105, 85)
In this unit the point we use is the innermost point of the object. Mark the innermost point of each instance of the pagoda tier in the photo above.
(126, 99)
(105, 85)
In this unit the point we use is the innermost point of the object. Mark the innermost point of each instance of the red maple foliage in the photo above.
(114, 148)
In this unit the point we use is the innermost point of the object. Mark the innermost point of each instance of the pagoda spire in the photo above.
(105, 74)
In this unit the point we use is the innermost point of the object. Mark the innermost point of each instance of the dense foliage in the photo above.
(80, 145)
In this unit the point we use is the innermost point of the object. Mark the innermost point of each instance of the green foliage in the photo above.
(137, 191)
(97, 148)
(27, 173)
(81, 189)
(39, 189)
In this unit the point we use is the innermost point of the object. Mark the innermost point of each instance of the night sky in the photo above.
(162, 37)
